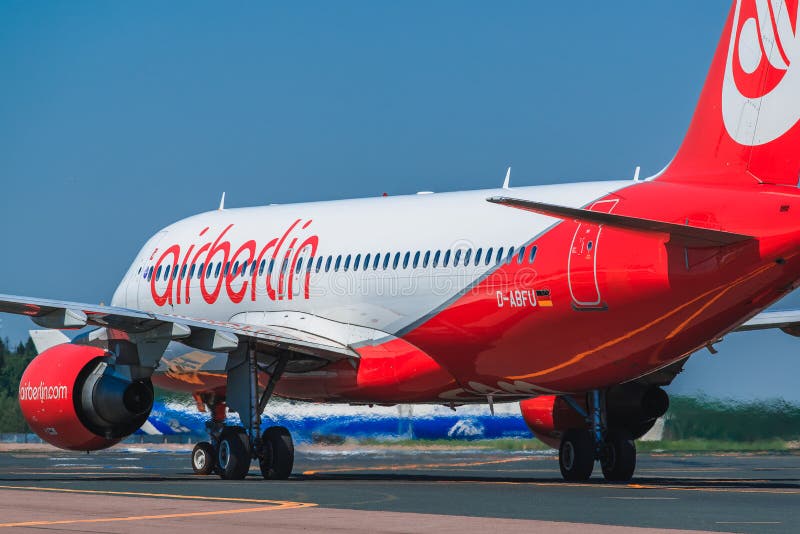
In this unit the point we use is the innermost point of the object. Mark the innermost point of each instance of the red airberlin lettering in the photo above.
(280, 257)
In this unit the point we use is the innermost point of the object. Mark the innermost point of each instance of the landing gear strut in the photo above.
(232, 448)
(580, 448)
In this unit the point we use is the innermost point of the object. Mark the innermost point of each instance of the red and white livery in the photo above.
(578, 300)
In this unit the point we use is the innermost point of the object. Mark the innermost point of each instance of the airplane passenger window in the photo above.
(200, 271)
(319, 264)
(175, 273)
(166, 273)
(271, 267)
(298, 266)
(208, 270)
(510, 254)
(396, 260)
(426, 258)
(467, 256)
(457, 258)
(478, 256)
(521, 255)
(488, 259)
(183, 271)
(347, 262)
(446, 261)
(284, 265)
(357, 262)
(235, 269)
(532, 255)
(217, 270)
(244, 268)
(338, 263)
(227, 268)
(436, 258)
(406, 259)
(328, 263)
(499, 255)
(366, 262)
(252, 267)
(310, 263)
(386, 258)
(376, 262)
(416, 259)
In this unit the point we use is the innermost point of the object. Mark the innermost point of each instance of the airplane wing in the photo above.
(786, 320)
(688, 236)
(201, 333)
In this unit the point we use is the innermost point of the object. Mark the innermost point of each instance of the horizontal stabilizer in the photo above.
(687, 236)
(786, 320)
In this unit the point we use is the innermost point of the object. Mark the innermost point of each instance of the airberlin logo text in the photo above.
(215, 264)
(42, 392)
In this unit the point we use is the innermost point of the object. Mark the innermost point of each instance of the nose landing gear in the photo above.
(203, 458)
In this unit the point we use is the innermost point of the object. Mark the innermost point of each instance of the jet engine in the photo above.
(630, 407)
(71, 398)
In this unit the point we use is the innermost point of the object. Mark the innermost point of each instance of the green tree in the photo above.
(12, 365)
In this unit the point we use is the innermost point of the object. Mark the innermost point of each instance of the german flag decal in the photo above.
(543, 298)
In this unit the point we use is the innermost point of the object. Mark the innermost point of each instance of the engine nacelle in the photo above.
(70, 400)
(548, 416)
(631, 407)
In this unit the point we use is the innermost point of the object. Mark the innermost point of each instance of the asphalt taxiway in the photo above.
(361, 489)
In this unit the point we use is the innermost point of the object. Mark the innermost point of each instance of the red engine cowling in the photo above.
(70, 401)
(548, 417)
(631, 407)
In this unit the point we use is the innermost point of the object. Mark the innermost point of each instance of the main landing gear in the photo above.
(580, 448)
(231, 449)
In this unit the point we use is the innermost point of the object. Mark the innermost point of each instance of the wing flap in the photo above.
(687, 236)
(219, 333)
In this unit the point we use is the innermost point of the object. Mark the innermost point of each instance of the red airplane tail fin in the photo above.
(746, 128)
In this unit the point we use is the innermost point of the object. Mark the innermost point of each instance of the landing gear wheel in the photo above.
(233, 456)
(619, 456)
(576, 455)
(203, 458)
(278, 458)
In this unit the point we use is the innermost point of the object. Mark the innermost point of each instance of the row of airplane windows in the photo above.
(463, 257)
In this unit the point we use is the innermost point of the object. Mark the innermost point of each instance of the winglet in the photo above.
(507, 181)
(222, 202)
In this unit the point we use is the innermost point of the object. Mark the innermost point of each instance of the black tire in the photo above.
(619, 456)
(204, 458)
(233, 454)
(576, 455)
(277, 460)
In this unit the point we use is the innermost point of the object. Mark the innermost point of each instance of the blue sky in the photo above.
(117, 119)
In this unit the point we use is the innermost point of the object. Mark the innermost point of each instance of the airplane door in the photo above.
(582, 262)
(140, 288)
(132, 283)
